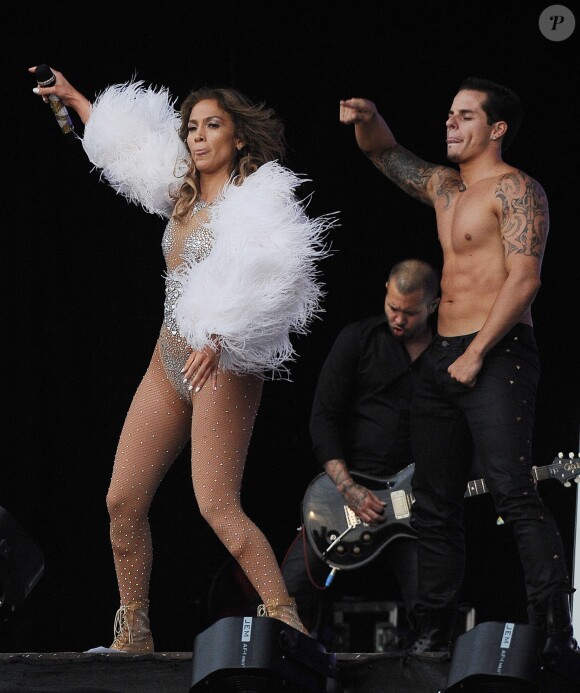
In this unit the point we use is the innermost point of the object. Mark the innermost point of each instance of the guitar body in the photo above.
(342, 541)
(326, 516)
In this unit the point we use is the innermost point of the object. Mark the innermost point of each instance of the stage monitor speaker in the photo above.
(259, 655)
(21, 565)
(498, 658)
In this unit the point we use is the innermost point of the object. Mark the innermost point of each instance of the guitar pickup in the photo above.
(400, 505)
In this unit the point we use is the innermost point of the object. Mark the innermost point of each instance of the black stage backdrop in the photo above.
(83, 287)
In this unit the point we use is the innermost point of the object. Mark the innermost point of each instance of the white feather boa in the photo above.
(260, 282)
(132, 136)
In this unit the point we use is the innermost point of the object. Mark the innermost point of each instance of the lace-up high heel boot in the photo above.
(132, 632)
(285, 611)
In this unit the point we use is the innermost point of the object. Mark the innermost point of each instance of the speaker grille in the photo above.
(502, 685)
(247, 682)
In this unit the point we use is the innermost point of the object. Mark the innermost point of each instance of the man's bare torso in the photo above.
(470, 233)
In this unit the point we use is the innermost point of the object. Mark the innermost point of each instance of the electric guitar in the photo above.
(344, 542)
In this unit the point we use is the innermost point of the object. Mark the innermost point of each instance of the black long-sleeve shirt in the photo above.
(362, 400)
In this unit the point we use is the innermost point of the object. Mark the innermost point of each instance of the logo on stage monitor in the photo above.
(246, 629)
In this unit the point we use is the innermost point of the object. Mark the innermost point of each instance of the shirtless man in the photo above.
(479, 376)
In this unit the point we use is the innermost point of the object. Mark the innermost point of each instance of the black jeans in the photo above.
(494, 418)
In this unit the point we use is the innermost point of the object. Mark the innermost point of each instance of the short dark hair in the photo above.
(415, 275)
(501, 103)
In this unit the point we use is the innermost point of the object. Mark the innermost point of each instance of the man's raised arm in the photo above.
(377, 142)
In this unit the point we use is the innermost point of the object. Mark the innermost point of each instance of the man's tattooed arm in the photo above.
(407, 171)
(524, 215)
(353, 493)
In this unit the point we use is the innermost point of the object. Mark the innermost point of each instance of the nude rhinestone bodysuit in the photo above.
(193, 238)
(164, 415)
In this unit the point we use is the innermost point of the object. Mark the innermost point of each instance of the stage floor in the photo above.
(171, 672)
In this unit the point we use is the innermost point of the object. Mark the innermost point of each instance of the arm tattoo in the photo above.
(407, 171)
(524, 214)
(355, 496)
(446, 185)
(338, 472)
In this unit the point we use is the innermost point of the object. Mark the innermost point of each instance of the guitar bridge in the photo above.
(351, 519)
(400, 505)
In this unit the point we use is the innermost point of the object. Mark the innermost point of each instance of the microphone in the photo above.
(45, 78)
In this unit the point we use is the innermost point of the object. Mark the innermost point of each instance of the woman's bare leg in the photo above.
(222, 424)
(156, 429)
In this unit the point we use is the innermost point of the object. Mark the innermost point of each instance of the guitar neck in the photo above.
(563, 470)
(475, 488)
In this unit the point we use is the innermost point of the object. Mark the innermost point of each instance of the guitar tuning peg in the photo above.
(560, 455)
(567, 484)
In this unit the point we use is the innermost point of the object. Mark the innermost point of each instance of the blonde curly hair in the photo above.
(255, 124)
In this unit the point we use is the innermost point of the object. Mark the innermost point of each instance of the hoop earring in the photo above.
(182, 165)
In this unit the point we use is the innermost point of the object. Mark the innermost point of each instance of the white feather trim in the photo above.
(260, 282)
(132, 135)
